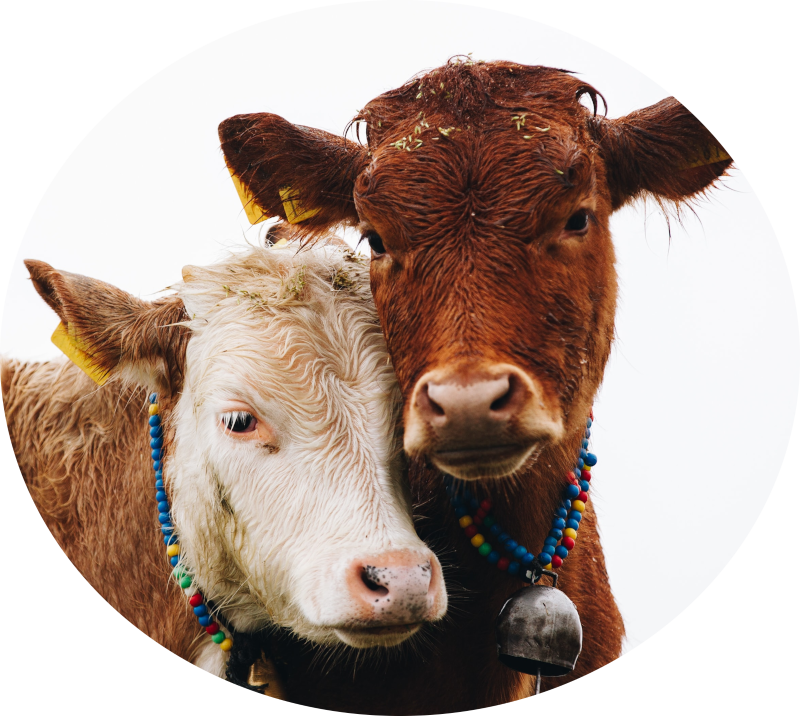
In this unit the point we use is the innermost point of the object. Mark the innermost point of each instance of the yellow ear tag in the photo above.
(295, 213)
(78, 352)
(717, 154)
(252, 210)
(280, 243)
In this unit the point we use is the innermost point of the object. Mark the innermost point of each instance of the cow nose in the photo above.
(497, 398)
(398, 587)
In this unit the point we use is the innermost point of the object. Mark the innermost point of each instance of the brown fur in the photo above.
(470, 175)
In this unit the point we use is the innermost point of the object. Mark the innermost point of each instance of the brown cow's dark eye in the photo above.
(375, 242)
(578, 222)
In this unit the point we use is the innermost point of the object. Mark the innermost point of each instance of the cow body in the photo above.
(485, 191)
(282, 463)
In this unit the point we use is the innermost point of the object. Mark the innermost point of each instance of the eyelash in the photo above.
(241, 419)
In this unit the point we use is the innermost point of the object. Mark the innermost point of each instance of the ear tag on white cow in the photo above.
(539, 632)
(71, 345)
(295, 212)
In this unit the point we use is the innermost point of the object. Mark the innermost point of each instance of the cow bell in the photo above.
(539, 632)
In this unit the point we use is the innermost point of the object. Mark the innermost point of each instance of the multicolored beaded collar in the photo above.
(474, 514)
(217, 632)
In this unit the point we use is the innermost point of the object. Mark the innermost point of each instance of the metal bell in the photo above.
(539, 632)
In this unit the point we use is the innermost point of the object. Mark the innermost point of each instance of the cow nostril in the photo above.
(371, 580)
(430, 403)
(504, 400)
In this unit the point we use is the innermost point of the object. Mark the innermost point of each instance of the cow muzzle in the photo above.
(477, 423)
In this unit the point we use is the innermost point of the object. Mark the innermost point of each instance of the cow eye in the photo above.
(578, 222)
(375, 242)
(239, 421)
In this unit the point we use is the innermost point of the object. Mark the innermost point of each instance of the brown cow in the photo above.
(484, 191)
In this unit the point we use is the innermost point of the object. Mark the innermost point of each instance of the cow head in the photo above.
(283, 462)
(484, 191)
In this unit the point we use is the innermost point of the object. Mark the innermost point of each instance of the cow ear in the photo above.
(297, 173)
(108, 332)
(662, 150)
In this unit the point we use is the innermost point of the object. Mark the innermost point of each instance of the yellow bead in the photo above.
(569, 532)
(173, 550)
(226, 645)
(588, 468)
(549, 567)
(578, 505)
(465, 521)
(477, 540)
(153, 410)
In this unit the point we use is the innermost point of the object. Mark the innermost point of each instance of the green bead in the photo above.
(178, 573)
(488, 520)
(186, 582)
(219, 637)
(484, 549)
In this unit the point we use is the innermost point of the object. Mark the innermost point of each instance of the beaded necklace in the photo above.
(473, 514)
(218, 635)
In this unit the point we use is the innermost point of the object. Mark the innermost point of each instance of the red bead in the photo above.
(486, 506)
(212, 628)
(471, 531)
(477, 520)
(586, 475)
(503, 563)
(571, 479)
(591, 414)
(583, 497)
(481, 513)
(568, 542)
(556, 561)
(196, 600)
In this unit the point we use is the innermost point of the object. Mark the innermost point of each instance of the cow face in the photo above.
(283, 462)
(485, 192)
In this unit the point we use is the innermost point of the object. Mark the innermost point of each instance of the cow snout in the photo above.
(480, 423)
(392, 595)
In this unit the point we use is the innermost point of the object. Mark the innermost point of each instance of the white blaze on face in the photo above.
(285, 473)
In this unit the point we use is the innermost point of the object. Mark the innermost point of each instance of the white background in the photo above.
(732, 646)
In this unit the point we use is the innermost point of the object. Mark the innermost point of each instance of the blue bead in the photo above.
(156, 432)
(167, 529)
(520, 552)
(562, 551)
(527, 559)
(154, 420)
(170, 539)
(588, 423)
(460, 512)
(493, 557)
(562, 513)
(503, 538)
(161, 497)
(544, 558)
(585, 443)
(157, 454)
(551, 540)
(549, 549)
(156, 442)
(577, 472)
(591, 459)
(163, 508)
(474, 504)
(566, 504)
(584, 486)
(174, 560)
(513, 568)
(580, 464)
(558, 523)
(153, 397)
(164, 518)
(159, 474)
(205, 621)
(575, 515)
(573, 491)
(495, 530)
(159, 484)
(588, 434)
(573, 524)
(557, 534)
(583, 453)
(511, 545)
(157, 466)
(201, 610)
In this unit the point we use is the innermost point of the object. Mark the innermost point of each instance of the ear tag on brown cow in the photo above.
(295, 212)
(71, 345)
(252, 210)
(711, 155)
(539, 632)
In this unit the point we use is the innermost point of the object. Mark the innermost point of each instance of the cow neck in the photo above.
(500, 549)
(245, 649)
